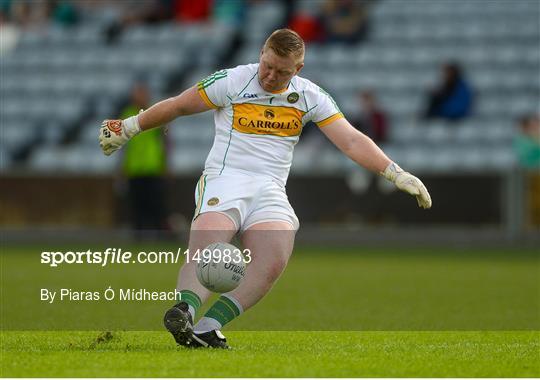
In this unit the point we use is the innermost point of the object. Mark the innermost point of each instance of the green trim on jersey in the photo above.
(305, 100)
(228, 145)
(212, 78)
(257, 72)
(232, 122)
(312, 108)
(230, 137)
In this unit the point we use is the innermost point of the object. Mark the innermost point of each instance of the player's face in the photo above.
(276, 72)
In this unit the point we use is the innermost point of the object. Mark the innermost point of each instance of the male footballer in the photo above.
(259, 112)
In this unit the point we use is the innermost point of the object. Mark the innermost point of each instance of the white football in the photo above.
(221, 267)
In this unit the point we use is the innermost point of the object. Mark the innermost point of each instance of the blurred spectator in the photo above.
(36, 14)
(452, 99)
(144, 165)
(64, 13)
(289, 9)
(373, 120)
(527, 148)
(134, 12)
(307, 26)
(29, 14)
(147, 12)
(345, 21)
(9, 33)
(229, 12)
(192, 10)
(527, 142)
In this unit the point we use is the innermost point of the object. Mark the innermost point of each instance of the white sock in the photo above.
(191, 310)
(206, 324)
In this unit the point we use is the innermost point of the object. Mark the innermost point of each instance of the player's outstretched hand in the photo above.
(115, 133)
(408, 183)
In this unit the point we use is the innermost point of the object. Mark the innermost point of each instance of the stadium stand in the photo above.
(60, 80)
(497, 43)
(59, 83)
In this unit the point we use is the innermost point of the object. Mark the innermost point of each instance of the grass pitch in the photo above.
(274, 354)
(421, 313)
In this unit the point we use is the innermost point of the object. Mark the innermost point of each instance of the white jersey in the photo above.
(256, 130)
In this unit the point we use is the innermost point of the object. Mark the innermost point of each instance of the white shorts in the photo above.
(245, 200)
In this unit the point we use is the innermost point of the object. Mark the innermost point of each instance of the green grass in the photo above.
(428, 312)
(348, 289)
(274, 354)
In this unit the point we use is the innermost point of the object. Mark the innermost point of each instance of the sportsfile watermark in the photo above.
(59, 285)
(118, 255)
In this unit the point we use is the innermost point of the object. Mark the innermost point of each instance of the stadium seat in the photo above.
(54, 73)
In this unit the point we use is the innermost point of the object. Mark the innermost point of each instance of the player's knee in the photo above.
(276, 268)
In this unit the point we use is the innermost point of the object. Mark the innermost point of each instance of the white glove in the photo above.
(115, 133)
(408, 183)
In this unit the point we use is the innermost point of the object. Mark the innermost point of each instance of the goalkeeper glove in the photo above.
(408, 183)
(115, 133)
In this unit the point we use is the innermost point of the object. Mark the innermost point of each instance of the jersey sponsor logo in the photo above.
(213, 201)
(263, 120)
(250, 96)
(293, 97)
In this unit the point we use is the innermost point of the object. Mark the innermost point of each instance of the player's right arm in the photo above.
(115, 133)
(188, 102)
(361, 149)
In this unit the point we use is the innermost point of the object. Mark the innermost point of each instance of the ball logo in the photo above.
(115, 126)
(293, 97)
(269, 114)
(213, 201)
(237, 269)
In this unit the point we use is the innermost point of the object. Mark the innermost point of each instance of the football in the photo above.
(221, 267)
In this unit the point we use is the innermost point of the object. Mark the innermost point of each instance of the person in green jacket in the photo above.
(145, 165)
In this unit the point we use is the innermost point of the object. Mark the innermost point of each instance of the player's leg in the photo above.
(271, 244)
(206, 229)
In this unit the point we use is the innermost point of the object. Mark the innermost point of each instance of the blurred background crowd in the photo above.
(450, 89)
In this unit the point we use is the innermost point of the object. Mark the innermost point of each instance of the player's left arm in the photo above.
(362, 150)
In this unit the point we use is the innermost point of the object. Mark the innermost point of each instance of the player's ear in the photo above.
(299, 68)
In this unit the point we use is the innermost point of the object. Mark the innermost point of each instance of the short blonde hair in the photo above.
(286, 42)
